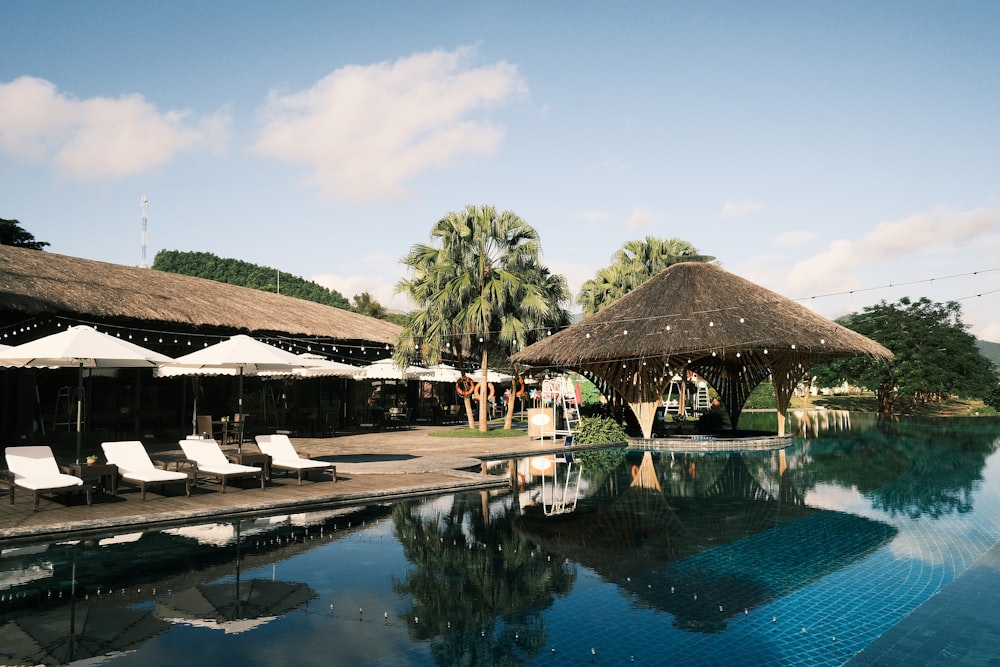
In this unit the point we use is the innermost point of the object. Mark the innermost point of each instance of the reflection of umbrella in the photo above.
(82, 347)
(246, 356)
(234, 607)
(441, 373)
(386, 369)
(76, 632)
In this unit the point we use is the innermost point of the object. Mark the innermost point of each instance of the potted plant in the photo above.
(91, 459)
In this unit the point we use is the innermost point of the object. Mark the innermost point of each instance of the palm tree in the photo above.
(481, 288)
(633, 264)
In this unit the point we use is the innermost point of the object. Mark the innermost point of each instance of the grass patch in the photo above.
(476, 433)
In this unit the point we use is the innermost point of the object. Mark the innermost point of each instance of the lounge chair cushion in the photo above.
(210, 458)
(134, 463)
(35, 468)
(283, 453)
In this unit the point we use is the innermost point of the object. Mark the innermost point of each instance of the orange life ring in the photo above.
(491, 390)
(520, 387)
(464, 386)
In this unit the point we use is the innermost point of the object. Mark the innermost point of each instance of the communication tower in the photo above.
(144, 204)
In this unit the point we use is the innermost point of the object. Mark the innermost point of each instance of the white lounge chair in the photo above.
(209, 460)
(135, 466)
(34, 468)
(284, 457)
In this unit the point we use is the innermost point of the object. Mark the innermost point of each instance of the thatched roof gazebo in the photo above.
(697, 317)
(33, 282)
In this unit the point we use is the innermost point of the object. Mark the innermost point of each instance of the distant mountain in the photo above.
(990, 350)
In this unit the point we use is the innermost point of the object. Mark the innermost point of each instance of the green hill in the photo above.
(245, 274)
(990, 350)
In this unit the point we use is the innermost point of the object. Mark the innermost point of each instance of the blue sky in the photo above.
(841, 152)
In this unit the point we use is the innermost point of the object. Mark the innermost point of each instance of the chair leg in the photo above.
(37, 494)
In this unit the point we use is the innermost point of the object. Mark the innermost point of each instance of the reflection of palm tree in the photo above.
(478, 586)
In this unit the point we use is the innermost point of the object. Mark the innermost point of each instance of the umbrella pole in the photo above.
(239, 430)
(79, 410)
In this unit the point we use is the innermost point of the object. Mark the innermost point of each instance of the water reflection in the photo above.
(718, 547)
(478, 587)
(689, 555)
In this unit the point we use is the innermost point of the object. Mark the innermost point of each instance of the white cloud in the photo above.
(641, 219)
(594, 217)
(377, 286)
(376, 273)
(738, 209)
(940, 234)
(794, 238)
(99, 138)
(942, 254)
(363, 131)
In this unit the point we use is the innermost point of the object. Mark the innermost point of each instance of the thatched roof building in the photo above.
(698, 317)
(34, 283)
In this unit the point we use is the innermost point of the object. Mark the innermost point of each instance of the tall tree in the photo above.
(366, 305)
(479, 288)
(632, 265)
(11, 233)
(935, 355)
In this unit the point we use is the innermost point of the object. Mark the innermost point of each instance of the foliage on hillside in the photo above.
(245, 274)
(13, 234)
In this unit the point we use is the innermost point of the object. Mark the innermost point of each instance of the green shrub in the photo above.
(599, 431)
(761, 398)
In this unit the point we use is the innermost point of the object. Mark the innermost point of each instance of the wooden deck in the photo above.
(371, 468)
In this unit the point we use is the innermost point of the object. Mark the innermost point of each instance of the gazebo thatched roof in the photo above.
(34, 282)
(697, 317)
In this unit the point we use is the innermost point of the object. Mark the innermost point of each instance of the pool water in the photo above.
(801, 556)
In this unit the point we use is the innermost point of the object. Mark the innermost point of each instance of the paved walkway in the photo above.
(371, 467)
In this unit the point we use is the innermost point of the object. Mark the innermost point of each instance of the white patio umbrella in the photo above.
(317, 366)
(491, 376)
(441, 373)
(386, 369)
(81, 347)
(245, 356)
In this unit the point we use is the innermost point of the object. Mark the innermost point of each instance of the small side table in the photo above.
(96, 472)
(254, 459)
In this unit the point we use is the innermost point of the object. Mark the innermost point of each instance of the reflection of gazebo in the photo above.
(707, 557)
(697, 317)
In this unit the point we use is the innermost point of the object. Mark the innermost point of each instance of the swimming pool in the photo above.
(803, 556)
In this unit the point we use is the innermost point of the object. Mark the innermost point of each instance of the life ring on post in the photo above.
(490, 389)
(465, 386)
(519, 383)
